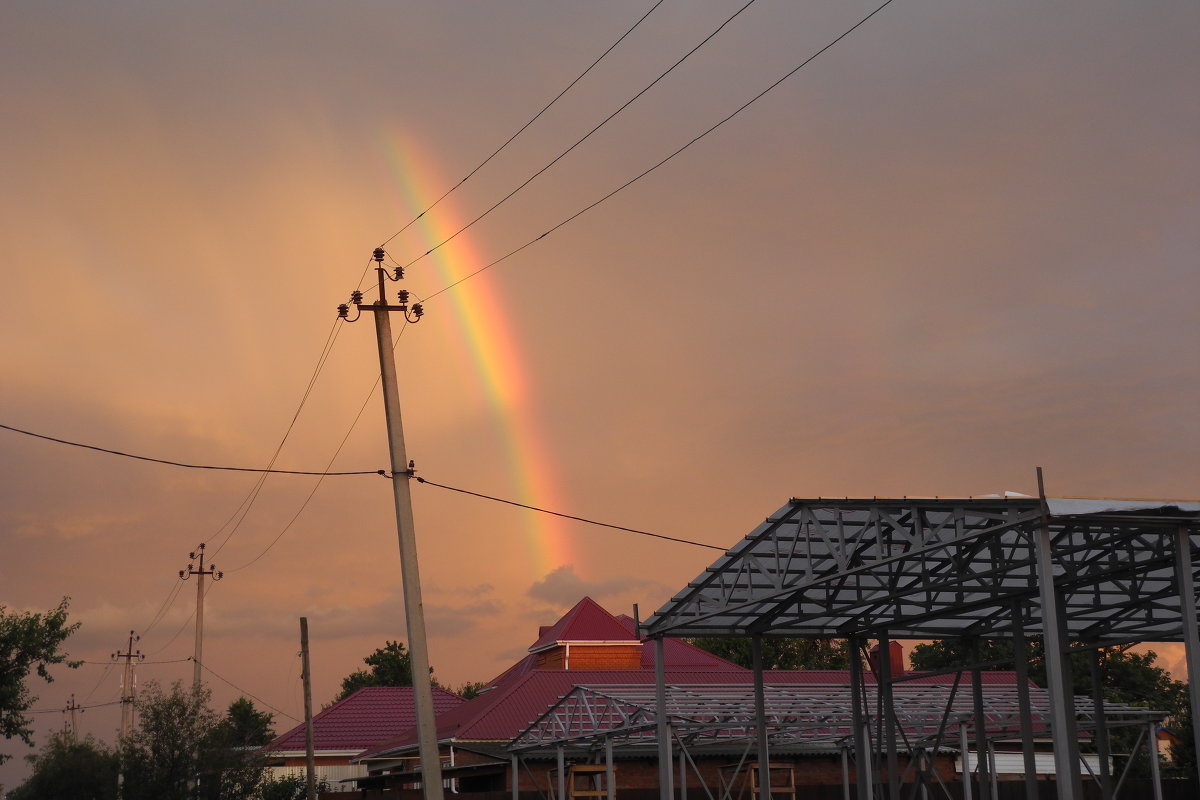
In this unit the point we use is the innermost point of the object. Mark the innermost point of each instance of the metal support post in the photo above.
(980, 724)
(1152, 752)
(516, 777)
(760, 720)
(1021, 667)
(683, 777)
(845, 773)
(887, 715)
(1102, 742)
(663, 728)
(965, 759)
(1061, 701)
(1186, 586)
(562, 774)
(610, 777)
(863, 758)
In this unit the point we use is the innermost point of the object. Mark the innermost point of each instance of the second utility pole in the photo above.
(199, 572)
(414, 613)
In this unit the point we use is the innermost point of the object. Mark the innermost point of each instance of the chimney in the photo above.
(895, 658)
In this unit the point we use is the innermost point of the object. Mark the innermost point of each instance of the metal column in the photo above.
(1061, 701)
(1021, 667)
(980, 724)
(965, 759)
(887, 715)
(1152, 752)
(610, 777)
(863, 758)
(1186, 585)
(760, 720)
(665, 789)
(1102, 742)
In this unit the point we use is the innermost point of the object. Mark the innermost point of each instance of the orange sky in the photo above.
(959, 245)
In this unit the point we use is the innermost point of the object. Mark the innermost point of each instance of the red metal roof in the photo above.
(522, 693)
(503, 712)
(364, 719)
(586, 622)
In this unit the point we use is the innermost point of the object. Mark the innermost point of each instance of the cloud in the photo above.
(562, 587)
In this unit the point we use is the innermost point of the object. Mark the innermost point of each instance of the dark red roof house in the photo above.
(588, 647)
(364, 719)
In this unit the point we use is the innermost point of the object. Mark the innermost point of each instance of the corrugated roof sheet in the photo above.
(587, 621)
(365, 718)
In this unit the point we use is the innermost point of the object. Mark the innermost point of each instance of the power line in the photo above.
(140, 663)
(585, 137)
(183, 464)
(568, 516)
(646, 172)
(243, 509)
(521, 130)
(332, 458)
(207, 668)
(77, 708)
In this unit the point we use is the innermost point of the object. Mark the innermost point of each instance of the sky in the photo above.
(957, 245)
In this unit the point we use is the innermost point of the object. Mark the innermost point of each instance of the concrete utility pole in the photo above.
(199, 571)
(128, 689)
(310, 764)
(402, 472)
(69, 724)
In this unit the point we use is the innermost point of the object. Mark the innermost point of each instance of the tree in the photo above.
(180, 741)
(389, 665)
(28, 642)
(70, 768)
(245, 726)
(1125, 677)
(470, 690)
(781, 653)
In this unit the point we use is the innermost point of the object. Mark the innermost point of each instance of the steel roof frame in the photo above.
(938, 568)
(721, 714)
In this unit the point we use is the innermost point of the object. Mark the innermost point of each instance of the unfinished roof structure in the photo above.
(1080, 573)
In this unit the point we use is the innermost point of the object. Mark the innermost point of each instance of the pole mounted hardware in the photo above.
(412, 314)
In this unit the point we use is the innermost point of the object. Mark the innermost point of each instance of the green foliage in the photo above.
(29, 642)
(470, 690)
(69, 768)
(390, 665)
(245, 726)
(781, 653)
(288, 787)
(180, 741)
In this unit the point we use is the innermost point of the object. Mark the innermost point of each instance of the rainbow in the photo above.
(493, 350)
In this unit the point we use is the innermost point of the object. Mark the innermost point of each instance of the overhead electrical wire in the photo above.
(172, 595)
(427, 482)
(209, 669)
(77, 708)
(521, 130)
(663, 161)
(252, 496)
(332, 458)
(585, 137)
(183, 464)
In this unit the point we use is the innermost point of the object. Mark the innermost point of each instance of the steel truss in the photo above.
(818, 717)
(1081, 574)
